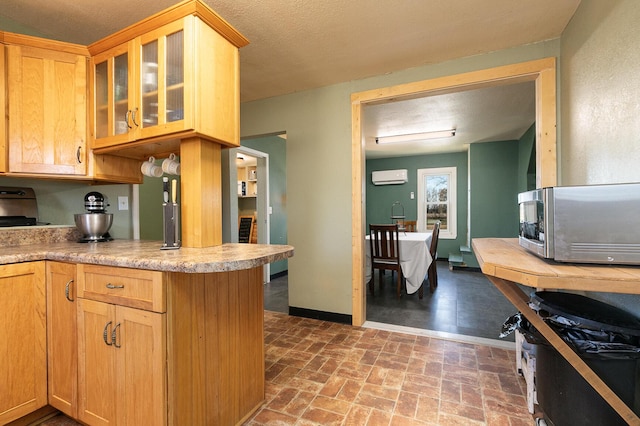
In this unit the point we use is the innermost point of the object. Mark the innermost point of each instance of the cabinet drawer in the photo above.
(136, 288)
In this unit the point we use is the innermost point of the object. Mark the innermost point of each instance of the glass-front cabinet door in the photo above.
(162, 69)
(170, 82)
(114, 110)
(139, 87)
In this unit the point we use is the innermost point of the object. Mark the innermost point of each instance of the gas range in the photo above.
(18, 207)
(6, 221)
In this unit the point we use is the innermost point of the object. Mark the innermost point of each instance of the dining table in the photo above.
(414, 258)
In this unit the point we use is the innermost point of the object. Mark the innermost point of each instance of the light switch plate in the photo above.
(123, 203)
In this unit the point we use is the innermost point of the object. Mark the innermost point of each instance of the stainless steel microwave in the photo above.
(582, 224)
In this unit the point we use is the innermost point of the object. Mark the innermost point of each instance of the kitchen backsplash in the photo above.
(22, 235)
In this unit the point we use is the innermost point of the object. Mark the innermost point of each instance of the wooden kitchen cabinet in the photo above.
(3, 112)
(171, 76)
(23, 362)
(121, 350)
(62, 337)
(47, 98)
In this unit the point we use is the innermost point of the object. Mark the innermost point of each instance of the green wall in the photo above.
(150, 195)
(277, 150)
(527, 160)
(379, 199)
(491, 181)
(58, 201)
(319, 178)
(494, 190)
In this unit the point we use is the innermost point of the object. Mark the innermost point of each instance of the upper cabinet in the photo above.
(171, 76)
(3, 113)
(47, 95)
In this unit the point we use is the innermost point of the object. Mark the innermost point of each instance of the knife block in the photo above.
(171, 230)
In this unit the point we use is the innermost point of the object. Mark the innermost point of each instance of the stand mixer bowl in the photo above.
(94, 226)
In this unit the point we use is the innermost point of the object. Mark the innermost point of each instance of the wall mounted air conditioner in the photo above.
(389, 177)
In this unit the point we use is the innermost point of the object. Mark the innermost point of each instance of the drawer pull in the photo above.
(67, 290)
(109, 285)
(105, 334)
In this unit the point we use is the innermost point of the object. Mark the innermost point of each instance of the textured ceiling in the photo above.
(298, 45)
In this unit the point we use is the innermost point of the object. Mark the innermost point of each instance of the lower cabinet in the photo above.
(23, 362)
(122, 377)
(121, 350)
(62, 337)
(131, 347)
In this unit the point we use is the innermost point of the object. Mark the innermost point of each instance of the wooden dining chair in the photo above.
(385, 253)
(410, 225)
(432, 272)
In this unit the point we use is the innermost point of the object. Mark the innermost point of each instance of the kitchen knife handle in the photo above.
(165, 189)
(174, 190)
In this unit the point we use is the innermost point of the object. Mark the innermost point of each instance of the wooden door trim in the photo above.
(542, 71)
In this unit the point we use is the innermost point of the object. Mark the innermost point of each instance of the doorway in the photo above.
(245, 187)
(541, 71)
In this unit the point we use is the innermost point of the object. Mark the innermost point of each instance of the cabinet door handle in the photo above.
(109, 285)
(126, 118)
(78, 152)
(133, 117)
(67, 290)
(105, 334)
(114, 336)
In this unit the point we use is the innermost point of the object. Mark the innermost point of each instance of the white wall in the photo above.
(318, 127)
(600, 109)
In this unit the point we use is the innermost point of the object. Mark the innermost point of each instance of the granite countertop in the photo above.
(142, 254)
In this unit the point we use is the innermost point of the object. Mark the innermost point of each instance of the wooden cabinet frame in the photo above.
(23, 333)
(542, 71)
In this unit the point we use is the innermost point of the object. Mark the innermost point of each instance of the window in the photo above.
(437, 200)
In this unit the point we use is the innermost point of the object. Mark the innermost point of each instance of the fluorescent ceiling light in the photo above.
(416, 136)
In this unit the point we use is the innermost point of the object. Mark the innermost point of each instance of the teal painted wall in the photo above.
(379, 199)
(527, 160)
(498, 171)
(277, 150)
(494, 190)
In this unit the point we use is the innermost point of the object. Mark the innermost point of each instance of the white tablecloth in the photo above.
(414, 258)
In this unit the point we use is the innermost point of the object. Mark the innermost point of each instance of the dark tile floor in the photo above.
(465, 303)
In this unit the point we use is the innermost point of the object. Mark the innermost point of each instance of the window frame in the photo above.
(451, 231)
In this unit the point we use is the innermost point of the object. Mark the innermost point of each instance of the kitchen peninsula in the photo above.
(134, 334)
(122, 332)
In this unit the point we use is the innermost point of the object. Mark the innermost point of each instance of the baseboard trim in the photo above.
(465, 268)
(279, 274)
(320, 315)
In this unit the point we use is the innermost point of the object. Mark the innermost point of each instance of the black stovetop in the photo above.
(6, 221)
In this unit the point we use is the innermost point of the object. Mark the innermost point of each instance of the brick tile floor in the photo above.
(322, 373)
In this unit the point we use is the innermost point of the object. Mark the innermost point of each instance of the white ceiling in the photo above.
(298, 45)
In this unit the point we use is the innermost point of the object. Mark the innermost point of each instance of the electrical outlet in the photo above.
(123, 203)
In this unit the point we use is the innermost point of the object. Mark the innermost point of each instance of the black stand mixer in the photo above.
(94, 225)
